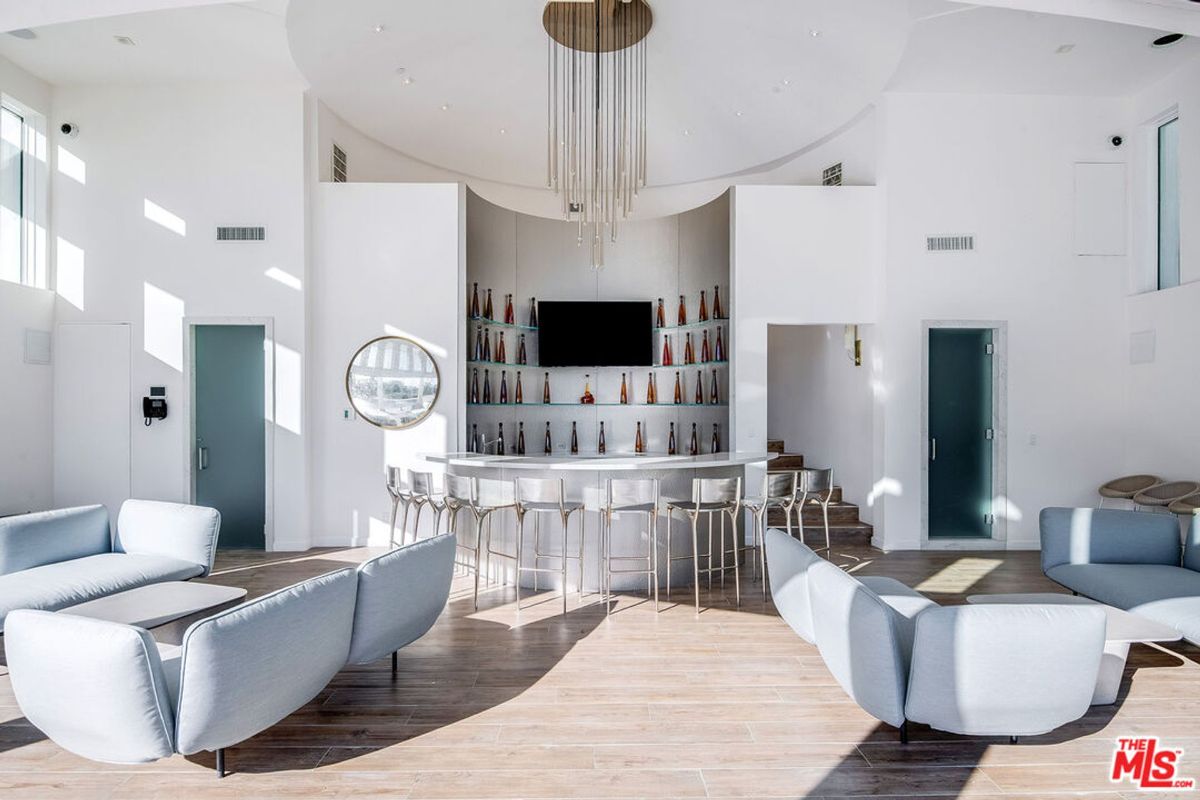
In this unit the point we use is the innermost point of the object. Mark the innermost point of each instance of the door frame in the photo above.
(999, 538)
(189, 406)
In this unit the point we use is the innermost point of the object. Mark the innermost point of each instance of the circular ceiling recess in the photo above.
(731, 85)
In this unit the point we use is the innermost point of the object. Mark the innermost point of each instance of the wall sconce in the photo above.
(853, 344)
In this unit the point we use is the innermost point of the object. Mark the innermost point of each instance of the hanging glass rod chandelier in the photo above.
(596, 112)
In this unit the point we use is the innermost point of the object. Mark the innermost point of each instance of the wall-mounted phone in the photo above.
(155, 406)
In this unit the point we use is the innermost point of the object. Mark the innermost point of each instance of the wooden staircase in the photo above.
(845, 527)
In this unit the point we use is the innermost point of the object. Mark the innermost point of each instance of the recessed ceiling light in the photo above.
(1166, 41)
(380, 28)
(407, 81)
(23, 33)
(814, 33)
(445, 106)
(125, 40)
(737, 113)
(1063, 49)
(687, 132)
(503, 131)
(786, 82)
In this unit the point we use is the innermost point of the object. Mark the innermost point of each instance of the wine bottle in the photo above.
(487, 386)
(574, 440)
(682, 311)
(587, 399)
(533, 312)
(475, 386)
(671, 441)
(666, 357)
(714, 390)
(718, 312)
(689, 354)
(520, 395)
(504, 387)
(487, 346)
(520, 438)
(500, 440)
(703, 315)
(694, 447)
(475, 302)
(501, 352)
(509, 317)
(624, 391)
(716, 440)
(547, 447)
(651, 390)
(478, 354)
(660, 317)
(488, 313)
(719, 348)
(705, 351)
(600, 444)
(639, 446)
(699, 387)
(481, 443)
(473, 442)
(546, 390)
(678, 389)
(522, 358)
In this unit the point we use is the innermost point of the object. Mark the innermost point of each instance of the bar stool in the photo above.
(400, 494)
(539, 496)
(709, 496)
(422, 494)
(779, 491)
(629, 496)
(462, 494)
(810, 483)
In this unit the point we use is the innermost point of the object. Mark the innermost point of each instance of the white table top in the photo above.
(156, 603)
(1122, 625)
(598, 463)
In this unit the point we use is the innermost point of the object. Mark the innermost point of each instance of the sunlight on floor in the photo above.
(959, 576)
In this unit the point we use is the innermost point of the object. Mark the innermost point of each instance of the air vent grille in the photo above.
(949, 244)
(339, 170)
(832, 176)
(233, 233)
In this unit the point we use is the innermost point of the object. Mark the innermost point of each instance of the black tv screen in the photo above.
(589, 334)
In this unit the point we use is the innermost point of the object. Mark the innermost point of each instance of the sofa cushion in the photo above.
(47, 537)
(175, 530)
(56, 586)
(1191, 544)
(1107, 536)
(1170, 595)
(788, 561)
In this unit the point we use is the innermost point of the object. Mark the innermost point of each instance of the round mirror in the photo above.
(392, 382)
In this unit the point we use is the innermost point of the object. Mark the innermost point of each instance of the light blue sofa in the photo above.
(1127, 559)
(108, 692)
(54, 559)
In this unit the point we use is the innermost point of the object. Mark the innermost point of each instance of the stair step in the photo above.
(786, 462)
(837, 493)
(775, 446)
(856, 533)
(839, 513)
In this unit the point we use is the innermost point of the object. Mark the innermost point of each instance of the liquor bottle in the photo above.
(473, 442)
(574, 440)
(660, 317)
(520, 438)
(522, 357)
(678, 388)
(481, 443)
(694, 447)
(546, 390)
(716, 440)
(705, 351)
(689, 353)
(699, 387)
(533, 312)
(487, 346)
(600, 444)
(488, 313)
(477, 355)
(666, 358)
(682, 311)
(671, 441)
(719, 348)
(639, 446)
(509, 317)
(487, 386)
(475, 302)
(520, 395)
(718, 312)
(587, 399)
(547, 447)
(500, 440)
(703, 316)
(624, 391)
(475, 386)
(714, 392)
(504, 387)
(501, 351)
(651, 390)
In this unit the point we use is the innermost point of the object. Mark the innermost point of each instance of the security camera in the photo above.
(1116, 141)
(69, 129)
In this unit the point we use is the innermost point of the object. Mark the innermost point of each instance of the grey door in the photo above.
(960, 433)
(229, 452)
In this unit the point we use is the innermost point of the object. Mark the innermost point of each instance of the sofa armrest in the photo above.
(1107, 536)
(188, 533)
(1004, 670)
(95, 688)
(48, 537)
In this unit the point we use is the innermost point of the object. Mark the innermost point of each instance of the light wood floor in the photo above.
(638, 705)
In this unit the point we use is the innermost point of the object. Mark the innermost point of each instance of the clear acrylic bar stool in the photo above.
(779, 491)
(422, 494)
(709, 496)
(400, 495)
(540, 496)
(814, 486)
(630, 496)
(462, 494)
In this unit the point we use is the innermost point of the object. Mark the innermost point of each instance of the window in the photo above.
(1168, 204)
(12, 195)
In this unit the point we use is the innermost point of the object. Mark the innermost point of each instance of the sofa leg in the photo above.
(220, 762)
(395, 661)
(1013, 739)
(904, 732)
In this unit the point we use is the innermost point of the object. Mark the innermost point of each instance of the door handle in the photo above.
(933, 449)
(202, 458)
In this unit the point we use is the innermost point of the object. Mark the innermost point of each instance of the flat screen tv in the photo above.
(593, 334)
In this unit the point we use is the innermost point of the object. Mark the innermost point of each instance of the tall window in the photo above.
(12, 196)
(1168, 204)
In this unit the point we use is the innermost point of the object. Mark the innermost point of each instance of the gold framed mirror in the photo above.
(392, 382)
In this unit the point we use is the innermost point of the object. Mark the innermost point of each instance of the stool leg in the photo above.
(403, 523)
(737, 580)
(392, 534)
(825, 515)
(722, 517)
(582, 542)
(566, 518)
(478, 556)
(537, 550)
(653, 520)
(416, 523)
(670, 519)
(695, 515)
(520, 538)
(605, 562)
(649, 557)
(709, 564)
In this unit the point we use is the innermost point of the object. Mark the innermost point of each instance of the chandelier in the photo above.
(596, 112)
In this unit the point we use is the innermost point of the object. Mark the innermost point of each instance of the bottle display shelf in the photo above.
(597, 405)
(509, 364)
(493, 323)
(708, 323)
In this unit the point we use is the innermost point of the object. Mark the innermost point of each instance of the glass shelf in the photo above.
(693, 325)
(598, 405)
(493, 323)
(680, 367)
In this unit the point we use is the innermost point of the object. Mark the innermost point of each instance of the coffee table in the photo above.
(157, 605)
(1122, 630)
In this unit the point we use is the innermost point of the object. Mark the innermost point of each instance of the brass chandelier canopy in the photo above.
(596, 111)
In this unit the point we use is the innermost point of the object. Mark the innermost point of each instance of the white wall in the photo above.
(387, 259)
(209, 155)
(822, 406)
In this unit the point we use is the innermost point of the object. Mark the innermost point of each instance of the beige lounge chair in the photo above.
(1125, 488)
(1162, 495)
(1186, 506)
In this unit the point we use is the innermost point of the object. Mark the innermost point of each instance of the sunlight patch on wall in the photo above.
(69, 269)
(960, 576)
(160, 216)
(286, 278)
(885, 487)
(289, 384)
(434, 349)
(71, 165)
(162, 325)
(1003, 508)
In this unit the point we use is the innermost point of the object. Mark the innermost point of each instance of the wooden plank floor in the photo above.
(729, 704)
